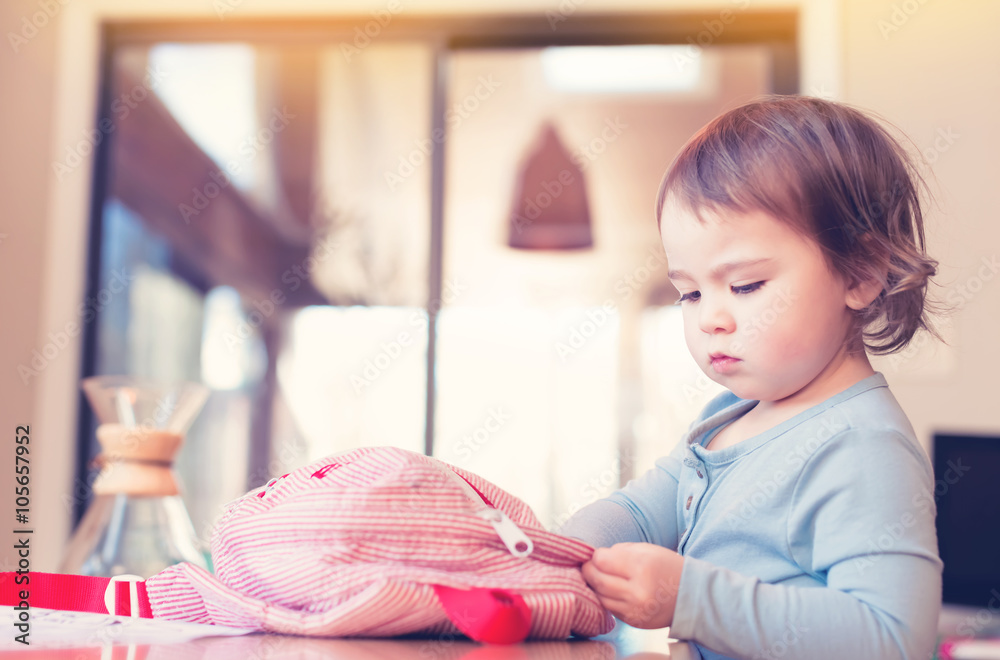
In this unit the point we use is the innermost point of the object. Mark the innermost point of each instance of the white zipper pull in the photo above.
(517, 541)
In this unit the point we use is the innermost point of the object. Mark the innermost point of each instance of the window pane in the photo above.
(515, 410)
(354, 377)
(373, 173)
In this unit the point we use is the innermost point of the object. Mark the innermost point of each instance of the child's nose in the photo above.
(713, 317)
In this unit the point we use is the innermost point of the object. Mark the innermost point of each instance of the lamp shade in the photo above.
(550, 209)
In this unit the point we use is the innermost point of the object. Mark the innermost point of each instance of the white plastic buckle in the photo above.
(133, 594)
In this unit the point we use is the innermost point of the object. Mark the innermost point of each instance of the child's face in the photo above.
(783, 314)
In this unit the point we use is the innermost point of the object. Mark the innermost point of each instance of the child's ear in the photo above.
(865, 288)
(863, 293)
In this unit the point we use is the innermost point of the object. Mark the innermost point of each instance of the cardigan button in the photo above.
(690, 497)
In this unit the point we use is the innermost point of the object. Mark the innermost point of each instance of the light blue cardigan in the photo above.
(813, 540)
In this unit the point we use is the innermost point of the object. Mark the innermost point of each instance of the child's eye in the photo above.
(695, 296)
(747, 288)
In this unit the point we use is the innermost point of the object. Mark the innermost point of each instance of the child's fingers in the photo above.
(614, 560)
(617, 607)
(605, 584)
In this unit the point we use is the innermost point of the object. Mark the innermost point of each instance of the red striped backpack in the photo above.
(373, 542)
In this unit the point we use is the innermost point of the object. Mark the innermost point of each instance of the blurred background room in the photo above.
(429, 224)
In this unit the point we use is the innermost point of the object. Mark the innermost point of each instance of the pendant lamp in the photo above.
(550, 210)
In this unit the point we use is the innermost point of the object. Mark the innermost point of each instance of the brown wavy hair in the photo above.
(835, 174)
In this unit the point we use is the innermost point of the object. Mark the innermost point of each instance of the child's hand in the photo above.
(637, 582)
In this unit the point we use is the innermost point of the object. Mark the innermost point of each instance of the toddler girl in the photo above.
(795, 519)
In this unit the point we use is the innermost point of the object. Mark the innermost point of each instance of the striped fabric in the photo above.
(354, 544)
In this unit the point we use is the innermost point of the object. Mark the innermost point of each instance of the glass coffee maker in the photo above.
(137, 523)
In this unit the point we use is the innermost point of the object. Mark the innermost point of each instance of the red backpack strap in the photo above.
(494, 616)
(122, 595)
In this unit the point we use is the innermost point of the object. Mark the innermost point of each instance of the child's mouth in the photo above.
(724, 364)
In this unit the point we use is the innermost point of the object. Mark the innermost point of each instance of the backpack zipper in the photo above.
(517, 542)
